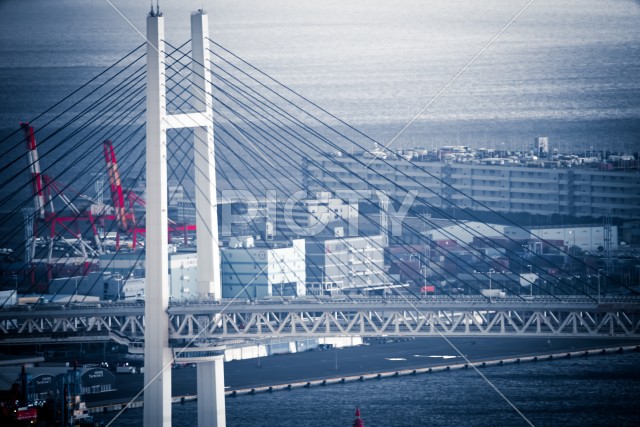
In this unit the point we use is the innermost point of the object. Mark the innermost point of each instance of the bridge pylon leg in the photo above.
(157, 353)
(211, 405)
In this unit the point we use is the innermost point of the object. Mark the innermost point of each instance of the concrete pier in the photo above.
(211, 407)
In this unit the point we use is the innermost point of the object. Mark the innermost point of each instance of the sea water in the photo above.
(584, 391)
(563, 69)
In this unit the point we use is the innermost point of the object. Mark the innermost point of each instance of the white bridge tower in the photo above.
(158, 354)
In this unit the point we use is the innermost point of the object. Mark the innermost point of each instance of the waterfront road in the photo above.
(379, 356)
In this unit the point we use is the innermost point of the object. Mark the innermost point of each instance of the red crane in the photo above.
(124, 213)
(37, 186)
(124, 200)
(117, 195)
(45, 190)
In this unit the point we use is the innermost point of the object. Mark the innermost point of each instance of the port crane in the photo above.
(56, 222)
(53, 228)
(124, 201)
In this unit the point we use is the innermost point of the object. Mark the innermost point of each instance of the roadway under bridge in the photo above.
(200, 322)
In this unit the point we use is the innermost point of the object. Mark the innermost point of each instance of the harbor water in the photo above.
(585, 391)
(567, 69)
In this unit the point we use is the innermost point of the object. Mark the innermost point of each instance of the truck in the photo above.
(493, 293)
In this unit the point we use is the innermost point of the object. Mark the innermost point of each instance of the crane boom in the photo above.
(117, 195)
(37, 186)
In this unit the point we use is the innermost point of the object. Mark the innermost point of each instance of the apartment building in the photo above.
(497, 184)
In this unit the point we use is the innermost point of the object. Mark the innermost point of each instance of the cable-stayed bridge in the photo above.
(263, 132)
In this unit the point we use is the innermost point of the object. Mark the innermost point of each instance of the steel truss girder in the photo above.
(250, 322)
(407, 322)
(74, 327)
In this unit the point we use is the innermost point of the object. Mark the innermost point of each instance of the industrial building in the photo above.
(122, 277)
(342, 265)
(587, 238)
(311, 216)
(258, 269)
(241, 213)
(45, 382)
(466, 231)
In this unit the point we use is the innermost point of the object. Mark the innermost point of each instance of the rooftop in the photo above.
(596, 160)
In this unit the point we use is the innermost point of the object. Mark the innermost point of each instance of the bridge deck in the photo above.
(206, 321)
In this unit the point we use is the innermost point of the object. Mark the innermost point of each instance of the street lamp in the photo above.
(424, 286)
(572, 232)
(599, 270)
(491, 271)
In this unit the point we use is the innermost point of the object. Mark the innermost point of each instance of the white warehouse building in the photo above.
(251, 270)
(466, 231)
(587, 238)
(346, 265)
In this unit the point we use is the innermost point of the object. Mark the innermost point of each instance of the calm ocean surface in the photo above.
(565, 69)
(594, 391)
